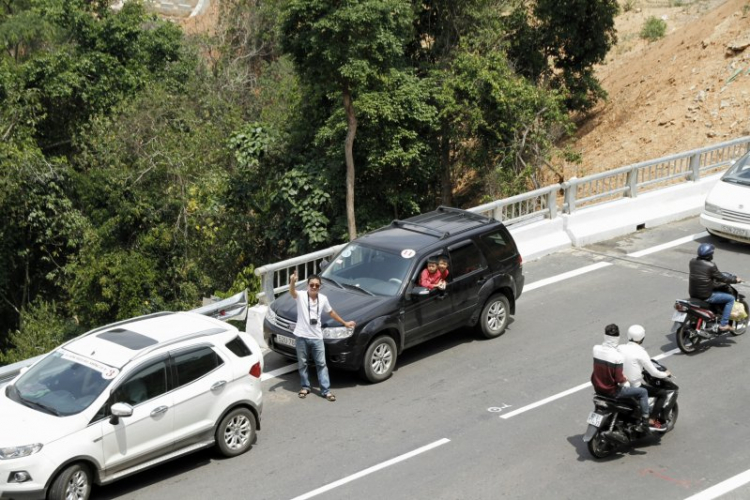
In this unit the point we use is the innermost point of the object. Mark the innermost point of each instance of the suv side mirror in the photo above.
(420, 291)
(120, 410)
(323, 264)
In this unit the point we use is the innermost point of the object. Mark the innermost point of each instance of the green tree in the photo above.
(560, 42)
(346, 46)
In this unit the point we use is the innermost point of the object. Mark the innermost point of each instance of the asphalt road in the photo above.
(457, 420)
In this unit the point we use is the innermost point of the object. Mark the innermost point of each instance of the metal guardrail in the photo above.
(548, 202)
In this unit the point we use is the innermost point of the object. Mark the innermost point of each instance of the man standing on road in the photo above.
(608, 378)
(309, 334)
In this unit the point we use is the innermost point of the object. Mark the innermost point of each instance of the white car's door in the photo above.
(201, 378)
(147, 433)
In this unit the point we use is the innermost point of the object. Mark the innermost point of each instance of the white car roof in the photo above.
(115, 345)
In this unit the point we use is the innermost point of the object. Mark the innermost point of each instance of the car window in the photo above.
(375, 271)
(466, 259)
(498, 246)
(143, 385)
(62, 383)
(193, 365)
(739, 172)
(239, 348)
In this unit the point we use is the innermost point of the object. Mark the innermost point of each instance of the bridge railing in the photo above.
(551, 201)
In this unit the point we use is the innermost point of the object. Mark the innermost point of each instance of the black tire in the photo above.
(600, 447)
(236, 432)
(740, 327)
(687, 338)
(495, 315)
(72, 483)
(671, 419)
(379, 359)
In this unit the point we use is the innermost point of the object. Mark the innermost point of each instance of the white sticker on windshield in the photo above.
(346, 253)
(408, 253)
(107, 372)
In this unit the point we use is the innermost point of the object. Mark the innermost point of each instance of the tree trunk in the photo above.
(445, 164)
(351, 132)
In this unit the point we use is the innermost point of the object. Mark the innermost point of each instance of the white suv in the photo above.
(125, 397)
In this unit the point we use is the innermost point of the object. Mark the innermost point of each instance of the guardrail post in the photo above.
(633, 183)
(695, 167)
(570, 196)
(497, 213)
(266, 284)
(552, 203)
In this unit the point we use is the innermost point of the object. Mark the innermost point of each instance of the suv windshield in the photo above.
(739, 173)
(61, 384)
(377, 272)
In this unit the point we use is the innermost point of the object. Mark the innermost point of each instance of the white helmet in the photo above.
(636, 333)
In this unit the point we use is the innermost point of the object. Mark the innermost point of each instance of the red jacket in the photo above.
(607, 373)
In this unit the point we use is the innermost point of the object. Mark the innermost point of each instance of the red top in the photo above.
(429, 280)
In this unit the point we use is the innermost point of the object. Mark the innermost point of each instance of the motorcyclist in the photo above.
(705, 279)
(635, 360)
(608, 378)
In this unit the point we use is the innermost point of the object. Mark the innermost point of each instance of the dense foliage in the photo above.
(142, 169)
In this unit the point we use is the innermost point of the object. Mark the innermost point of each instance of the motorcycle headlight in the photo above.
(338, 332)
(712, 209)
(10, 452)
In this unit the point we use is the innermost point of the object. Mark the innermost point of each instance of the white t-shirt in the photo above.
(635, 360)
(308, 309)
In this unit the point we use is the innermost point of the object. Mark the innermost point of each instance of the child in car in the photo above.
(431, 277)
(443, 269)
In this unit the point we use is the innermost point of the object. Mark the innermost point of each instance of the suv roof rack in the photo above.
(421, 227)
(189, 336)
(118, 323)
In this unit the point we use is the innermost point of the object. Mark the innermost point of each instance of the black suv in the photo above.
(374, 281)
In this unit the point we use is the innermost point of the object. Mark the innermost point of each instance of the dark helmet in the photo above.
(705, 250)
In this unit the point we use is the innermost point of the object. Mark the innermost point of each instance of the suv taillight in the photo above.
(255, 370)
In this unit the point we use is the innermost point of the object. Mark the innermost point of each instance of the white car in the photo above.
(125, 397)
(727, 210)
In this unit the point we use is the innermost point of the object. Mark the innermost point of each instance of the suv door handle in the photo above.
(159, 410)
(218, 385)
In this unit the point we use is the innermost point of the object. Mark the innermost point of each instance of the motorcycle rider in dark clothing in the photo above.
(608, 378)
(705, 279)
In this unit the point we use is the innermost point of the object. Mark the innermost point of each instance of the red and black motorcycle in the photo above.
(696, 320)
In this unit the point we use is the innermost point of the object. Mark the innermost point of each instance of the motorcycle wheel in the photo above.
(687, 338)
(600, 447)
(671, 418)
(740, 327)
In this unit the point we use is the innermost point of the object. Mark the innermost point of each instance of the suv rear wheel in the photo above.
(380, 359)
(494, 317)
(236, 432)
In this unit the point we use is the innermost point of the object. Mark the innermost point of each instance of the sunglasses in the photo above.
(314, 285)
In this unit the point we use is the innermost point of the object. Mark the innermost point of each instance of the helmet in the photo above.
(636, 333)
(705, 250)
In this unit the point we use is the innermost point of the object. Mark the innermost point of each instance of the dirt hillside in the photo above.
(687, 90)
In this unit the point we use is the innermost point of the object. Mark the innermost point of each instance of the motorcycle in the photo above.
(695, 320)
(615, 422)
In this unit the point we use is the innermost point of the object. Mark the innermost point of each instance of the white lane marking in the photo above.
(569, 392)
(565, 276)
(671, 244)
(372, 469)
(600, 265)
(278, 371)
(722, 488)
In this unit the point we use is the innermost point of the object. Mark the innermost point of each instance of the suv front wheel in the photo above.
(380, 359)
(494, 317)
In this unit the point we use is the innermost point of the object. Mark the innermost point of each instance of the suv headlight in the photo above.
(712, 209)
(271, 316)
(337, 332)
(19, 451)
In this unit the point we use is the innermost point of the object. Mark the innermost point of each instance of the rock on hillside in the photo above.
(687, 90)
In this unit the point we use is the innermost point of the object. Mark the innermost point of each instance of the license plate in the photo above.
(678, 316)
(734, 230)
(595, 419)
(290, 341)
